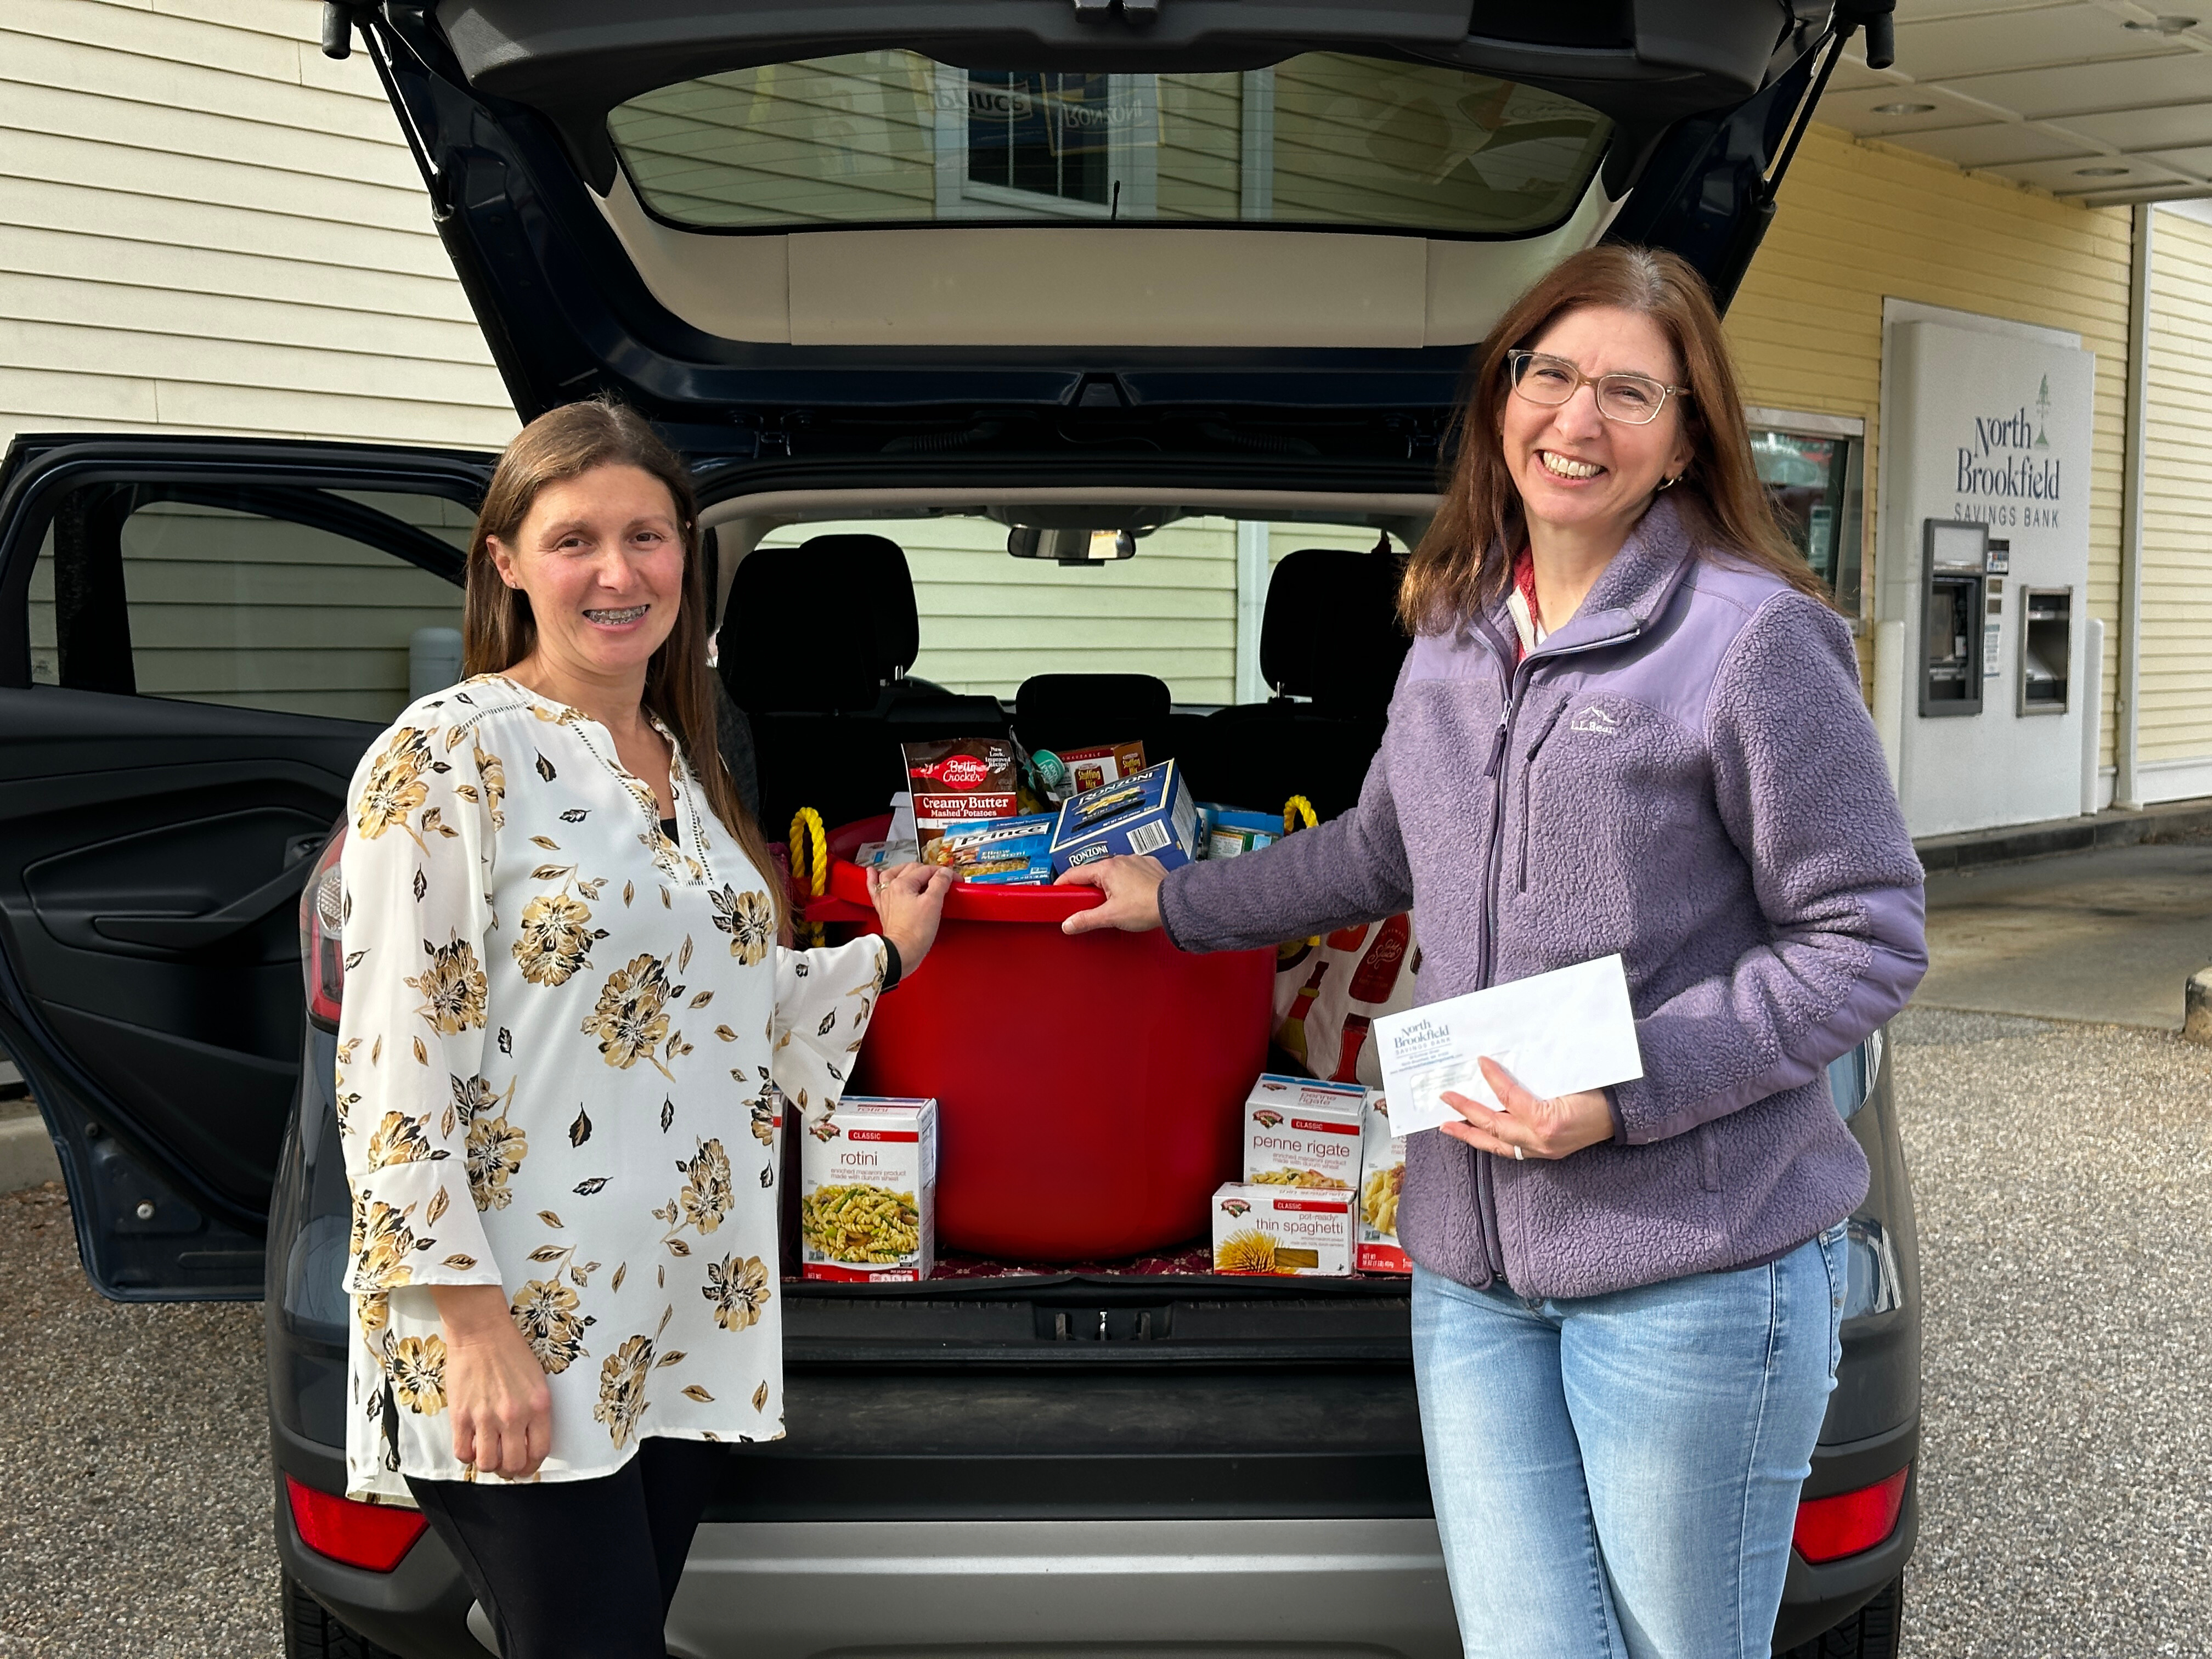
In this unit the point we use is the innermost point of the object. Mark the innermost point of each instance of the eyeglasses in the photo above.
(1631, 399)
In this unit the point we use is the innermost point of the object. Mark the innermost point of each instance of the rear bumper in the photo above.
(1816, 1600)
(1312, 1588)
(1315, 1588)
(1318, 1589)
(419, 1609)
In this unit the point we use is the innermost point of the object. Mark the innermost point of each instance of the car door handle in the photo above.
(191, 933)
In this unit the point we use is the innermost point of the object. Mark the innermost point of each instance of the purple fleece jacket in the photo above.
(1685, 773)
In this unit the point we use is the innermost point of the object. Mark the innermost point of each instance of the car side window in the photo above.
(287, 599)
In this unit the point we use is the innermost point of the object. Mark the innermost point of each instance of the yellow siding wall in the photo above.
(2177, 551)
(1860, 220)
(207, 226)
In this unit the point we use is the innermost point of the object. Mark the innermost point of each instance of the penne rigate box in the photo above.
(1302, 1132)
(1293, 1231)
(868, 1198)
(1383, 1176)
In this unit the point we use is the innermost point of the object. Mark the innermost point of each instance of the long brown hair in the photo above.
(499, 629)
(1464, 561)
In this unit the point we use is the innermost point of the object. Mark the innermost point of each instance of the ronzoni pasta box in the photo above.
(1282, 1229)
(867, 1201)
(1301, 1132)
(1148, 812)
(1383, 1176)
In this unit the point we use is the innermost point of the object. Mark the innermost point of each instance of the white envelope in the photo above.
(1557, 1033)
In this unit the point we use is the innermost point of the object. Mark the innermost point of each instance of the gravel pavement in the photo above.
(2063, 1174)
(134, 1453)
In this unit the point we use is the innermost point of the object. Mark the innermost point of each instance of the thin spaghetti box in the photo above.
(1301, 1132)
(867, 1204)
(1288, 1230)
(1150, 811)
(1381, 1177)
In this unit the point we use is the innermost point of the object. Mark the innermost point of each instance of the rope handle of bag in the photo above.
(1299, 814)
(806, 824)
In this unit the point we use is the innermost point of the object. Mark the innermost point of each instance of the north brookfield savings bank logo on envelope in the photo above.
(1557, 1033)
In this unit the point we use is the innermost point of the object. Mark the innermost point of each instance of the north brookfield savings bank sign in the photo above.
(2007, 477)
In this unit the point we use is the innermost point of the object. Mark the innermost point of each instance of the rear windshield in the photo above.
(989, 622)
(1321, 139)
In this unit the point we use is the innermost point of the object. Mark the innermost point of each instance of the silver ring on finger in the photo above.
(1520, 1157)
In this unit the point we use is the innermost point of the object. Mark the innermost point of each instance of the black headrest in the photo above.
(1331, 631)
(1056, 711)
(819, 627)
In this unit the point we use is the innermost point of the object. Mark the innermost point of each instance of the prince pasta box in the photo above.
(1286, 1230)
(1302, 1132)
(1382, 1177)
(868, 1191)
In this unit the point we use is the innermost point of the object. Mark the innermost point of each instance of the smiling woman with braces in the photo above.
(568, 1037)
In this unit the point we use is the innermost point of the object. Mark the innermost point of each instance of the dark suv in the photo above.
(951, 281)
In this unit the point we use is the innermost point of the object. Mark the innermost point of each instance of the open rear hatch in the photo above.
(843, 230)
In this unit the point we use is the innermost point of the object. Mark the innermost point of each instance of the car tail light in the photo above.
(1829, 1528)
(322, 935)
(370, 1537)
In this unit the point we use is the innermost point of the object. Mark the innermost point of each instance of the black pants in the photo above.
(573, 1567)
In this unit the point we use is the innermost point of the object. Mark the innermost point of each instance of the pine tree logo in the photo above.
(2042, 412)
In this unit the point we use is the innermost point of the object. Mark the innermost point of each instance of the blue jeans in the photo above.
(1616, 1477)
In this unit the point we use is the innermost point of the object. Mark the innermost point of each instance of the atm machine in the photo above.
(1954, 577)
(2046, 647)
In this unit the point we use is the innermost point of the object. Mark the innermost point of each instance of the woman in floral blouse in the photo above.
(567, 1033)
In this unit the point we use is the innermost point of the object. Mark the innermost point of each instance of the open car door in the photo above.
(197, 640)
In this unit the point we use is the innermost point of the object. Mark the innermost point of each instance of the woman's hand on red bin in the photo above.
(1540, 1129)
(496, 1399)
(1132, 886)
(910, 900)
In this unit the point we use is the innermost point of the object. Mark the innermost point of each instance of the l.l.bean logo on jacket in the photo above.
(1595, 721)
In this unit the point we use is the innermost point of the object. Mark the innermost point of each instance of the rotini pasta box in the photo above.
(1291, 1230)
(1382, 1176)
(867, 1201)
(1301, 1132)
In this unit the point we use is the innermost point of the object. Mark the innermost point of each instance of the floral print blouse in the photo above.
(564, 1047)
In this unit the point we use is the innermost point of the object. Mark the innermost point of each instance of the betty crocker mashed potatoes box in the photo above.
(1301, 1132)
(960, 781)
(1282, 1229)
(867, 1191)
(1382, 1175)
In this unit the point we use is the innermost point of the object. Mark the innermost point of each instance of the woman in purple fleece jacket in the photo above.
(1629, 722)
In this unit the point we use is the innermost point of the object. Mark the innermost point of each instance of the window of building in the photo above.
(1041, 132)
(1812, 467)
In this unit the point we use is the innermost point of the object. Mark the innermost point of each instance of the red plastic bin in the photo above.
(1089, 1089)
